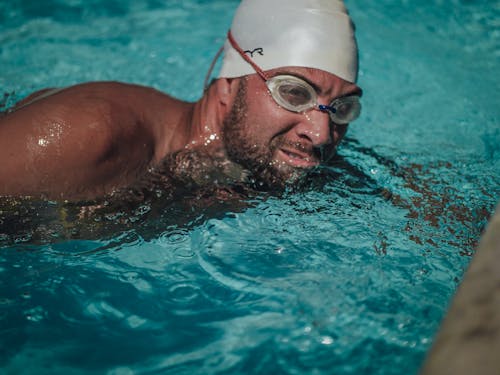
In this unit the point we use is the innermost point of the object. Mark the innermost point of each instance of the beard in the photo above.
(241, 147)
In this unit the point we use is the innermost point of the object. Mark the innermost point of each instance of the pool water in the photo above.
(350, 275)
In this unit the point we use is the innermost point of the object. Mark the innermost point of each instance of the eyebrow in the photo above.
(356, 91)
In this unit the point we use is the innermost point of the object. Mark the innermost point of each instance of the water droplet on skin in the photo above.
(42, 142)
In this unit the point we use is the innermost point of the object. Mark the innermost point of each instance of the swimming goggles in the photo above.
(296, 95)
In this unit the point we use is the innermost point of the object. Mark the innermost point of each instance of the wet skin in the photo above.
(88, 140)
(280, 143)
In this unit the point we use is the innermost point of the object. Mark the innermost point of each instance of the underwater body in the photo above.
(350, 274)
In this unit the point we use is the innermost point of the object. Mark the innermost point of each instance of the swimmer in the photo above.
(279, 107)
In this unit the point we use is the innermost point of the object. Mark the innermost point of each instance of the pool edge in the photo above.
(468, 341)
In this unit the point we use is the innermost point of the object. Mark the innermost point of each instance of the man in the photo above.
(281, 104)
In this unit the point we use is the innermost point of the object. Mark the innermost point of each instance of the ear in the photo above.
(226, 89)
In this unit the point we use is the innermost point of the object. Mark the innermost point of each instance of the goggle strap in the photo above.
(245, 56)
(209, 73)
(326, 108)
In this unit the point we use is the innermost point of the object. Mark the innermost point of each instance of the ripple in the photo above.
(183, 293)
(135, 321)
(178, 241)
(99, 309)
(172, 237)
(175, 236)
(35, 314)
(273, 218)
(240, 277)
(184, 252)
(135, 279)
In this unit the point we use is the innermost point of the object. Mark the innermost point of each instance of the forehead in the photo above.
(325, 83)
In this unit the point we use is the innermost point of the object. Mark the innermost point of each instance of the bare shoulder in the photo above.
(87, 115)
(93, 134)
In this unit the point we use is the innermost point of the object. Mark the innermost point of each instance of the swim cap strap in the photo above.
(245, 56)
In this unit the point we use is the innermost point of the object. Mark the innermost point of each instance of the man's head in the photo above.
(294, 66)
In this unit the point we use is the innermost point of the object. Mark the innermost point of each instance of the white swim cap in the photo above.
(307, 33)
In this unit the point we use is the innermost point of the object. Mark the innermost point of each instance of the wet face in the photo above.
(277, 145)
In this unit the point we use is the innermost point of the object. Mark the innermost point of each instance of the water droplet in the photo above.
(35, 314)
(25, 237)
(327, 340)
(142, 210)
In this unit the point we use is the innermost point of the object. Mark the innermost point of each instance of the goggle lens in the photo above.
(292, 93)
(347, 109)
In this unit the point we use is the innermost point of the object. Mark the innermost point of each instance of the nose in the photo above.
(316, 128)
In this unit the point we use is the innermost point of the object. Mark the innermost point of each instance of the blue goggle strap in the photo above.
(326, 108)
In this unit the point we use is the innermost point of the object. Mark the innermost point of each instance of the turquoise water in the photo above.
(352, 275)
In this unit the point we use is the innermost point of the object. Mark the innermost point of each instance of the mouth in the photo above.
(297, 159)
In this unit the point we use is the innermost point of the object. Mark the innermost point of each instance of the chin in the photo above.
(279, 177)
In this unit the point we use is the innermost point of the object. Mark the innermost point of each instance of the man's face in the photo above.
(277, 145)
